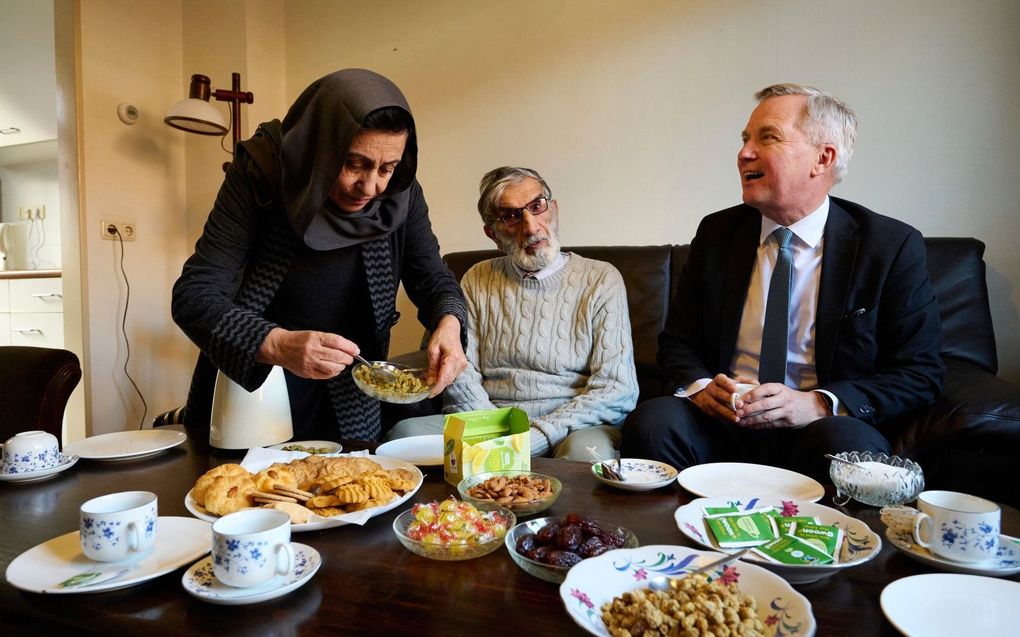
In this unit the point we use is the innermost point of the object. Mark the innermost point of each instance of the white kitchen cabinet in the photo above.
(32, 312)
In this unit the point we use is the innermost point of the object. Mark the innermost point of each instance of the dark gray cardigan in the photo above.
(242, 257)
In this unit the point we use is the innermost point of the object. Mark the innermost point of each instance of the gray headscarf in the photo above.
(317, 132)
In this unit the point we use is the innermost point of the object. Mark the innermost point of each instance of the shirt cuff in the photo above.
(837, 409)
(693, 388)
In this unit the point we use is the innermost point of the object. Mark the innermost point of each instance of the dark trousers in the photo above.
(675, 431)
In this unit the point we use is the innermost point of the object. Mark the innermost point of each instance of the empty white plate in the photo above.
(126, 445)
(41, 569)
(948, 604)
(424, 451)
(726, 478)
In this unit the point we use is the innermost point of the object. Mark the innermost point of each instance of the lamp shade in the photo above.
(196, 116)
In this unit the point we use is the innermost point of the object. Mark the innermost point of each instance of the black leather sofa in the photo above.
(967, 441)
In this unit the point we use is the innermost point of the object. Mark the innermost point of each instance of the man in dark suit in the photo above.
(851, 339)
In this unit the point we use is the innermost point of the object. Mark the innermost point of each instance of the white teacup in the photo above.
(251, 547)
(117, 526)
(742, 389)
(957, 526)
(30, 451)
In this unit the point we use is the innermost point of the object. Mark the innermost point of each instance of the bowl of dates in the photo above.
(548, 547)
(523, 492)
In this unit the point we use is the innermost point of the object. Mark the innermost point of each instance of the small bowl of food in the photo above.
(523, 492)
(548, 547)
(875, 479)
(453, 530)
(311, 447)
(392, 383)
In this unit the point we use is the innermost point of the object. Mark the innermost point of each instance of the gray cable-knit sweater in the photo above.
(559, 348)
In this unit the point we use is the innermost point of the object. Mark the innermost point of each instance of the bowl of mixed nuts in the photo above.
(523, 492)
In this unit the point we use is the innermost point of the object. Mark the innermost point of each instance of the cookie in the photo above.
(264, 497)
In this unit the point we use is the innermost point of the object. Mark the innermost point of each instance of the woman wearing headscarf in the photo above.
(317, 221)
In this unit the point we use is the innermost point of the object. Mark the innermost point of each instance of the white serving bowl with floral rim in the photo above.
(860, 543)
(597, 580)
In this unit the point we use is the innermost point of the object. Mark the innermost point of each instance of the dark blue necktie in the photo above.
(776, 331)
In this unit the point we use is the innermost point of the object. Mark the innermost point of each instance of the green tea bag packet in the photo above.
(792, 551)
(711, 512)
(823, 537)
(786, 524)
(733, 509)
(737, 531)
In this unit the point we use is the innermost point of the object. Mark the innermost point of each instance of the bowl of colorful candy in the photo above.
(548, 547)
(453, 530)
(523, 492)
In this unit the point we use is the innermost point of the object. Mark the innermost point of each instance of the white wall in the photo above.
(132, 52)
(633, 110)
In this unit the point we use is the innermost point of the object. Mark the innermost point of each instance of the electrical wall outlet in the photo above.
(109, 230)
(28, 213)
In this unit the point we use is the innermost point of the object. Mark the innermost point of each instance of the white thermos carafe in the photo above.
(14, 245)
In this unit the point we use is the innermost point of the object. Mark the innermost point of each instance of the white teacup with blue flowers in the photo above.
(118, 526)
(957, 526)
(30, 451)
(251, 547)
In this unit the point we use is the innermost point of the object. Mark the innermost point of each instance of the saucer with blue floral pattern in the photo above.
(200, 581)
(1006, 560)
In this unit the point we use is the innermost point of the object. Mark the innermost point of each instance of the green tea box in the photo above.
(486, 440)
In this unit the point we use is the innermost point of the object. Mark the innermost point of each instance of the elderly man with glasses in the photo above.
(548, 331)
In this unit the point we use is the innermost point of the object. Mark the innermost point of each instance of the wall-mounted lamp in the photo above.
(197, 115)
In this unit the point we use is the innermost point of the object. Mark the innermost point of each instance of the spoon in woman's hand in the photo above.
(377, 370)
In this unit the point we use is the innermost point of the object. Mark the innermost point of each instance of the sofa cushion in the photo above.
(969, 439)
(958, 276)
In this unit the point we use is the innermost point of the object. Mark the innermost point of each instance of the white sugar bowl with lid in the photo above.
(30, 451)
(875, 479)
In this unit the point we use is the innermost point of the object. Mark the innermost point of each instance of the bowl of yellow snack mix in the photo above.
(402, 385)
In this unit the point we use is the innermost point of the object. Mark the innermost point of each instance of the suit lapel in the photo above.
(838, 258)
(740, 261)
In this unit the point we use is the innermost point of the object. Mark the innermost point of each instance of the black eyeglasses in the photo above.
(512, 216)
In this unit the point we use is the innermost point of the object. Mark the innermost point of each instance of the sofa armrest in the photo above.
(968, 440)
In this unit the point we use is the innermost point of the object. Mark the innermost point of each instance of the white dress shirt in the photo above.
(807, 244)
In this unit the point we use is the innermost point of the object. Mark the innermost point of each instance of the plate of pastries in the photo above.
(318, 492)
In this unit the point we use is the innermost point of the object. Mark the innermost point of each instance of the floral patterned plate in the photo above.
(638, 474)
(860, 543)
(1006, 562)
(597, 580)
(200, 581)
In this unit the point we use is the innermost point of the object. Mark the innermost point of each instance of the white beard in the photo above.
(532, 262)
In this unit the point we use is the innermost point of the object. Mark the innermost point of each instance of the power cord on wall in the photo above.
(123, 329)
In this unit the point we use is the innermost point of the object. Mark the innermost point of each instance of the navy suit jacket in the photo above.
(877, 331)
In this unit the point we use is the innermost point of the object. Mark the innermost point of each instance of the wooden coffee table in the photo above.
(369, 584)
